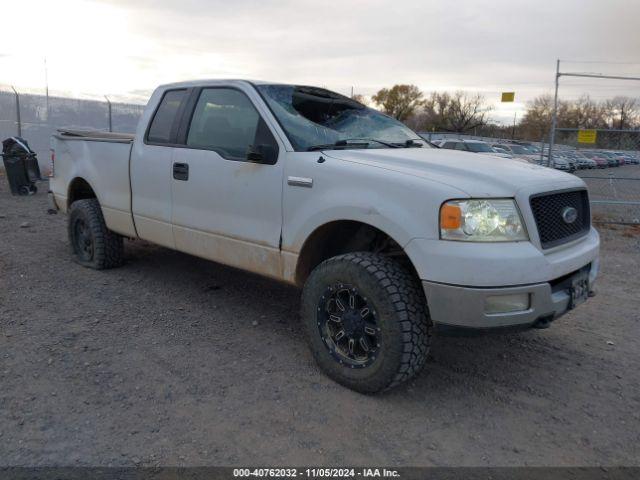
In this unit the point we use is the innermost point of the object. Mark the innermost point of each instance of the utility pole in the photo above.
(351, 92)
(18, 111)
(554, 119)
(513, 131)
(46, 87)
(109, 110)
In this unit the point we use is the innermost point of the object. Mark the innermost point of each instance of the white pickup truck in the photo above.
(387, 236)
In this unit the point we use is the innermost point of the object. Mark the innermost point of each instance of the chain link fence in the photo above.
(607, 139)
(614, 192)
(36, 118)
(615, 196)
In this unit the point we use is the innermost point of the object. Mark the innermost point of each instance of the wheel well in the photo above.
(346, 236)
(79, 189)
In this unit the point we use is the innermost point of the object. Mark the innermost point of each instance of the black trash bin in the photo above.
(21, 166)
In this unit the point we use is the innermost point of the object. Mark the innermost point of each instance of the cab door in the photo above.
(151, 168)
(226, 187)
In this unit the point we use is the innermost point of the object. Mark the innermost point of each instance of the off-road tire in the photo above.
(399, 300)
(107, 247)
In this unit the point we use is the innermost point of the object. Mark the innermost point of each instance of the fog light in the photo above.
(516, 302)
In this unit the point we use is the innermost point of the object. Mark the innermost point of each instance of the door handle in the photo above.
(181, 171)
(300, 181)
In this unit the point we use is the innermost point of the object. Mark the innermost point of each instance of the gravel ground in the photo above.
(173, 360)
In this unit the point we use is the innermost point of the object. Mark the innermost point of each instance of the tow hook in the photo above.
(543, 322)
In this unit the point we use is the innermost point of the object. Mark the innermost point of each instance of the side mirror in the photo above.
(261, 154)
(254, 155)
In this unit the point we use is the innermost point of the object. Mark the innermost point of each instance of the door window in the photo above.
(225, 121)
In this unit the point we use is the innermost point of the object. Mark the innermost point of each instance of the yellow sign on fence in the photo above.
(587, 136)
(508, 96)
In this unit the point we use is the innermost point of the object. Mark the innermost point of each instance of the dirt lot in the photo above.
(172, 360)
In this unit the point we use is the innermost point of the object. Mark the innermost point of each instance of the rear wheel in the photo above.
(366, 321)
(92, 243)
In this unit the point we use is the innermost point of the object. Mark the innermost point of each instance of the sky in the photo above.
(125, 48)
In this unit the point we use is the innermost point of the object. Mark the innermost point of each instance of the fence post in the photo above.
(613, 187)
(554, 119)
(18, 120)
(109, 109)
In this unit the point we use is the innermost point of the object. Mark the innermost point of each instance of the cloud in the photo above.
(458, 44)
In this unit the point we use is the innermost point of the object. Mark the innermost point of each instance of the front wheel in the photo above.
(92, 243)
(366, 321)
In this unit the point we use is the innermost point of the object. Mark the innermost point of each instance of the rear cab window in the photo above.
(164, 125)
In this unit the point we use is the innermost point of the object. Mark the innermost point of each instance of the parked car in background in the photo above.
(573, 161)
(630, 158)
(474, 146)
(568, 157)
(501, 150)
(518, 151)
(618, 158)
(613, 161)
(583, 162)
(573, 164)
(601, 162)
(626, 158)
(531, 149)
(561, 163)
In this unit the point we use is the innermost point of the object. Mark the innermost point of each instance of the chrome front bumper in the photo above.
(454, 307)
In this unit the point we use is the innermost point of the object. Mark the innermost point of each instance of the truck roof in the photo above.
(216, 81)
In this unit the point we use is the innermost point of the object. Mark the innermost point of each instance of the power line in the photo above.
(604, 62)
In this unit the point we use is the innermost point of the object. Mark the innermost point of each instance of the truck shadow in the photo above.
(497, 366)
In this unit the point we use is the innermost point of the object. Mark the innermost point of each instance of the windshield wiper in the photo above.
(351, 143)
(412, 143)
(337, 145)
(381, 142)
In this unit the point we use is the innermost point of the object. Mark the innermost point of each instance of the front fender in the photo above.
(401, 205)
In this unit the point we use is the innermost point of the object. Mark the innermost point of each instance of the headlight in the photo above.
(481, 221)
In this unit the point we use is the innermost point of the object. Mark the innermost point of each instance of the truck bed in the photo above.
(97, 135)
(102, 160)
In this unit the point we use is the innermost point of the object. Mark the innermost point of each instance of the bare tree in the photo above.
(619, 112)
(622, 112)
(361, 99)
(399, 101)
(585, 113)
(537, 119)
(456, 112)
(467, 112)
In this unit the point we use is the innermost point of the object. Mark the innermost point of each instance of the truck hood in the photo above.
(476, 175)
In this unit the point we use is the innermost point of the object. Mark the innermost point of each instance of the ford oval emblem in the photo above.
(569, 215)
